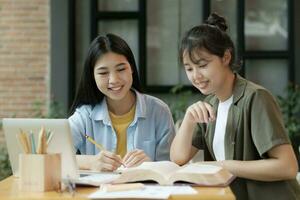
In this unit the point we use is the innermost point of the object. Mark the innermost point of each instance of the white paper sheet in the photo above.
(149, 192)
(97, 179)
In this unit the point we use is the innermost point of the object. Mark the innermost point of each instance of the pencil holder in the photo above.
(40, 172)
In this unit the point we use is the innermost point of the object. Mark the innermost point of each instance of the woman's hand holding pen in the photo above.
(200, 112)
(135, 158)
(106, 161)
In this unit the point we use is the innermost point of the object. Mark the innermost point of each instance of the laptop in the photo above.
(61, 142)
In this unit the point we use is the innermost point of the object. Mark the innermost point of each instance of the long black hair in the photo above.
(210, 36)
(88, 92)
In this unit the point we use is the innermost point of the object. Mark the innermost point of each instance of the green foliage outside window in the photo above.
(5, 169)
(55, 110)
(290, 107)
(181, 103)
(181, 99)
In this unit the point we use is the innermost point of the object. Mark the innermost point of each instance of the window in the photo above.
(125, 18)
(167, 21)
(152, 28)
(261, 31)
(263, 39)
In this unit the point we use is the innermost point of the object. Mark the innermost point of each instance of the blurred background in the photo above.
(43, 44)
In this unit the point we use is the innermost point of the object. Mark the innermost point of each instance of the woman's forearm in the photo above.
(181, 148)
(261, 170)
(281, 166)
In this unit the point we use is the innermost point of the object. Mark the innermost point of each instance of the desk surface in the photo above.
(9, 189)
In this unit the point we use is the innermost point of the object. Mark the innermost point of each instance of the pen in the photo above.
(25, 141)
(50, 135)
(93, 142)
(31, 136)
(42, 142)
(99, 146)
(22, 142)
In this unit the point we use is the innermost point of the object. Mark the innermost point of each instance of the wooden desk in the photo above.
(9, 189)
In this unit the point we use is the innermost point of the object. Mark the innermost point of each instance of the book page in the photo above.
(200, 168)
(157, 171)
(165, 168)
(202, 174)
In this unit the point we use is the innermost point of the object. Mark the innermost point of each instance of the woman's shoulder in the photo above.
(253, 89)
(247, 90)
(154, 102)
(85, 110)
(257, 95)
(82, 113)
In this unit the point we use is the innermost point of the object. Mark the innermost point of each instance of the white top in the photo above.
(218, 142)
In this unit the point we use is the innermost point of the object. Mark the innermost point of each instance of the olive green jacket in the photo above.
(254, 126)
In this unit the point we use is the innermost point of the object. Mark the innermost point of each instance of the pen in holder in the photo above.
(38, 170)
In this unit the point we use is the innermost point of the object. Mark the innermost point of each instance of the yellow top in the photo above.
(120, 124)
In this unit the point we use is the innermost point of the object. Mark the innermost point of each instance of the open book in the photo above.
(167, 173)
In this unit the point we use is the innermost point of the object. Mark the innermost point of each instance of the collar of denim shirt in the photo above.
(100, 111)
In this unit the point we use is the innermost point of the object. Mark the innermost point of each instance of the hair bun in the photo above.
(216, 20)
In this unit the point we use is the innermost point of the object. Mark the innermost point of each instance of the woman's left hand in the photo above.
(135, 158)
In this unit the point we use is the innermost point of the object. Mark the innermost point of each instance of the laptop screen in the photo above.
(61, 141)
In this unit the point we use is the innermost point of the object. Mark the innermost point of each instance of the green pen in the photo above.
(31, 135)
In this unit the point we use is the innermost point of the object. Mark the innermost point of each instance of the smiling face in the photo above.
(113, 76)
(208, 73)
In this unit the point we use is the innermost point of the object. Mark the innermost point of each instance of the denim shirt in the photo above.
(151, 130)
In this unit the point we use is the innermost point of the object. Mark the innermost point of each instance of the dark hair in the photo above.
(210, 36)
(88, 92)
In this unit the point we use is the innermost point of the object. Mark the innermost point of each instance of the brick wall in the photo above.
(24, 56)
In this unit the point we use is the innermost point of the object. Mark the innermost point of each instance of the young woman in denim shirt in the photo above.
(109, 107)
